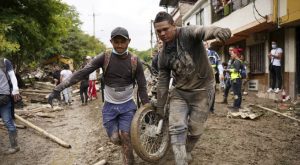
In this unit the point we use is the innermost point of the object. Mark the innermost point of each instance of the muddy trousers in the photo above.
(188, 113)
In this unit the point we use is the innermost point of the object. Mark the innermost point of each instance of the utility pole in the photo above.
(151, 38)
(94, 24)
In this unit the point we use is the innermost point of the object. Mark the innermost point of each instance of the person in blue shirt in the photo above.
(216, 64)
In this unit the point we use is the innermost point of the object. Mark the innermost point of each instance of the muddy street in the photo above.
(269, 139)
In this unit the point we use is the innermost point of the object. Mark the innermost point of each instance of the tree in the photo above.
(28, 27)
(143, 55)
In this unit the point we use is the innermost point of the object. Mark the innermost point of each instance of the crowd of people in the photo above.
(181, 54)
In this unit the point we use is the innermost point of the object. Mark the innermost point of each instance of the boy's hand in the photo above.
(52, 96)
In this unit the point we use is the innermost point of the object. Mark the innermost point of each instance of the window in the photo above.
(200, 17)
(257, 58)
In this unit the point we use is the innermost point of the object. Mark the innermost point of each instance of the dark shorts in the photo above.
(118, 116)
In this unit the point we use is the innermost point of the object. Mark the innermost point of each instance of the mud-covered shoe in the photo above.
(12, 150)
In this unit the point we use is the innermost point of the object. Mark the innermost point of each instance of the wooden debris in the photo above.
(271, 110)
(40, 130)
(244, 113)
(35, 91)
(46, 115)
(101, 162)
(21, 126)
(44, 85)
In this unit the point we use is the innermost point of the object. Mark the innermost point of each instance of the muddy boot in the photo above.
(224, 101)
(191, 143)
(127, 151)
(179, 151)
(13, 142)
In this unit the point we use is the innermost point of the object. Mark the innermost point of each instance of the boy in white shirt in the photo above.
(275, 56)
(64, 74)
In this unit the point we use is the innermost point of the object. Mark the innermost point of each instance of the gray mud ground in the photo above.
(268, 140)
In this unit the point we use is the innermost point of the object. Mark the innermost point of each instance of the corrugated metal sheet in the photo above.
(174, 3)
(169, 3)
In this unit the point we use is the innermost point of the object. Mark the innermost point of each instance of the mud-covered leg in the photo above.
(115, 138)
(127, 151)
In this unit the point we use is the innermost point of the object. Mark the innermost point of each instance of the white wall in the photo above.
(244, 16)
(289, 50)
(191, 15)
(282, 7)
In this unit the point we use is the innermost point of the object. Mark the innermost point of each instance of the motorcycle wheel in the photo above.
(147, 144)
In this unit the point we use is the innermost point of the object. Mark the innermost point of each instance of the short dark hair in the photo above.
(163, 16)
(66, 66)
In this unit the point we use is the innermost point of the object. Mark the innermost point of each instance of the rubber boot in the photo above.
(13, 142)
(191, 143)
(224, 101)
(127, 151)
(179, 151)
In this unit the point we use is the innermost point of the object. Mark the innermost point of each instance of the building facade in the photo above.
(254, 25)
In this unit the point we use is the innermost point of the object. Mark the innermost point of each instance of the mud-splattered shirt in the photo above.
(187, 58)
(118, 74)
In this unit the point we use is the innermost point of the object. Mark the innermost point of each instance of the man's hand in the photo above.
(52, 96)
(147, 105)
(17, 97)
(223, 34)
(160, 111)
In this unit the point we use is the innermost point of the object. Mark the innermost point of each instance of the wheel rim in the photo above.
(153, 145)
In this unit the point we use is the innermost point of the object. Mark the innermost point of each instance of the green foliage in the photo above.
(31, 26)
(34, 30)
(143, 55)
(77, 45)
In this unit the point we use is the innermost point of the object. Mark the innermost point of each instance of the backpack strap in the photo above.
(3, 68)
(134, 61)
(107, 56)
(2, 65)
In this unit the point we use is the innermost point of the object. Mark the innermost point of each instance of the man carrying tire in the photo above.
(184, 54)
(119, 79)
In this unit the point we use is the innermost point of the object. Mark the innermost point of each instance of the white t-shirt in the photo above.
(93, 76)
(64, 74)
(276, 53)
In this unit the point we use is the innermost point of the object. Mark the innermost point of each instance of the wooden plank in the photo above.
(40, 130)
(271, 110)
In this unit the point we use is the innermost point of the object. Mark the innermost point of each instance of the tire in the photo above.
(143, 135)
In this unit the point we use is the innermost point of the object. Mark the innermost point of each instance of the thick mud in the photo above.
(268, 140)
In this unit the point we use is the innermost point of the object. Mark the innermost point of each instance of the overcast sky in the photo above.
(134, 15)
